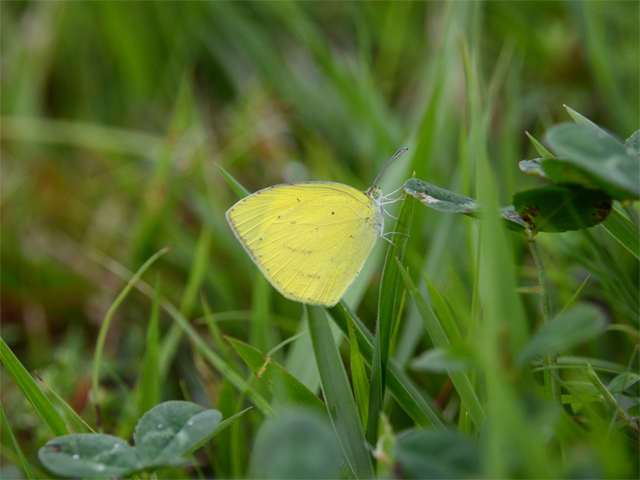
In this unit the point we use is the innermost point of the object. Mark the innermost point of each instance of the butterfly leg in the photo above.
(396, 190)
(399, 199)
(394, 245)
(393, 233)
(389, 214)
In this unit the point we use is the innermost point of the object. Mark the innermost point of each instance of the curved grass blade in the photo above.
(104, 328)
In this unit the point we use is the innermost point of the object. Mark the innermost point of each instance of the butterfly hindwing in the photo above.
(309, 239)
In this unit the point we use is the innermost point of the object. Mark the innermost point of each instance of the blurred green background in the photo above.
(115, 114)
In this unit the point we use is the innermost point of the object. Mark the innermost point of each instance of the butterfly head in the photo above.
(375, 193)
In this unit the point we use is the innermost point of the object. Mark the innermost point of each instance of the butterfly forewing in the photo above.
(309, 239)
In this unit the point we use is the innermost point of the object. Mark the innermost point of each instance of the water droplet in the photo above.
(190, 422)
(159, 426)
(75, 456)
(117, 445)
(100, 468)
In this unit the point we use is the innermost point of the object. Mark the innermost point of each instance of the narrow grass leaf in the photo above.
(214, 330)
(226, 370)
(624, 231)
(233, 183)
(434, 327)
(7, 430)
(284, 386)
(358, 376)
(218, 362)
(75, 423)
(198, 270)
(609, 399)
(581, 119)
(31, 391)
(443, 313)
(338, 397)
(389, 301)
(149, 383)
(104, 328)
(574, 298)
(418, 405)
(539, 147)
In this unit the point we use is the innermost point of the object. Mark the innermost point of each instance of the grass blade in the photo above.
(337, 393)
(438, 335)
(149, 383)
(280, 383)
(104, 328)
(624, 231)
(417, 405)
(358, 376)
(388, 309)
(16, 447)
(31, 391)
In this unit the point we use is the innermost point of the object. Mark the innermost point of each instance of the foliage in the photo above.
(128, 127)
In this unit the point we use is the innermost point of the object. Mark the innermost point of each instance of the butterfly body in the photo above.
(309, 239)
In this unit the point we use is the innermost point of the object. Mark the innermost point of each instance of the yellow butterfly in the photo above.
(310, 239)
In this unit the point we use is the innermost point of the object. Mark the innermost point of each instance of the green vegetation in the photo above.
(128, 129)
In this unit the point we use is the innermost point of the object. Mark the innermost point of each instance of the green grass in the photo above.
(126, 128)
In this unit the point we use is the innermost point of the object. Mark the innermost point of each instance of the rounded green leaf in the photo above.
(441, 360)
(623, 381)
(610, 165)
(572, 327)
(300, 444)
(437, 454)
(89, 455)
(171, 429)
(560, 208)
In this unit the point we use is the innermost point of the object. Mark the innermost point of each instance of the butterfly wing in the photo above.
(310, 239)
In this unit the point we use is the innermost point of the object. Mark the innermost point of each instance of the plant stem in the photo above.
(550, 376)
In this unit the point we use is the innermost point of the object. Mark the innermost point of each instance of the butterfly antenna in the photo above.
(396, 155)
